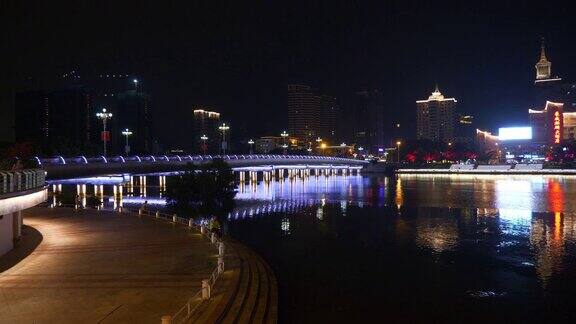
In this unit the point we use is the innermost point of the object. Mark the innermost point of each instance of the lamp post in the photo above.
(127, 133)
(204, 138)
(319, 140)
(224, 128)
(104, 116)
(323, 147)
(250, 142)
(398, 149)
(135, 81)
(284, 135)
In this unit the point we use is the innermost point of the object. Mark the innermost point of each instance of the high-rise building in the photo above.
(205, 123)
(436, 117)
(303, 112)
(329, 114)
(31, 118)
(123, 95)
(312, 114)
(131, 111)
(367, 120)
(67, 115)
(58, 119)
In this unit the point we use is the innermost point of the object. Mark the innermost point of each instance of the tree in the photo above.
(208, 189)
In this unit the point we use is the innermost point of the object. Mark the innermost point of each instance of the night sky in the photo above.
(237, 57)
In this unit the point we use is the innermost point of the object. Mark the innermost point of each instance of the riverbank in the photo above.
(488, 171)
(108, 267)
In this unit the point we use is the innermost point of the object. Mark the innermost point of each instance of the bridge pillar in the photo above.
(56, 188)
(142, 181)
(81, 190)
(242, 176)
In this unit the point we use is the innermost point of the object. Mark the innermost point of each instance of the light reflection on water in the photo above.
(470, 233)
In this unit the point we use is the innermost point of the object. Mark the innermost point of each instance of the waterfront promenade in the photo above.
(106, 267)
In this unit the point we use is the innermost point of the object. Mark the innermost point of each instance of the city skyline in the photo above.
(488, 67)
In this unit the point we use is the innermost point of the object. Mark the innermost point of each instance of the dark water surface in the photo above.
(416, 248)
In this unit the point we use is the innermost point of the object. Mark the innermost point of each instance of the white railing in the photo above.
(13, 181)
(162, 159)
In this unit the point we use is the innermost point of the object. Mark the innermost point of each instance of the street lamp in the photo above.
(284, 135)
(204, 138)
(398, 149)
(104, 115)
(224, 128)
(127, 133)
(135, 81)
(250, 142)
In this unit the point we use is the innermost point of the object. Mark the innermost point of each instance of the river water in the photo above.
(413, 248)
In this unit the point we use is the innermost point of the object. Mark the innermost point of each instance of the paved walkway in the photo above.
(104, 267)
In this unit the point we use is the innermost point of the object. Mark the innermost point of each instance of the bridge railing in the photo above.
(60, 160)
(21, 180)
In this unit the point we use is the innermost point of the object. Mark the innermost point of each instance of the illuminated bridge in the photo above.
(247, 166)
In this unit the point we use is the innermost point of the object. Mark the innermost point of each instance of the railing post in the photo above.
(202, 229)
(205, 289)
(213, 238)
(174, 218)
(190, 223)
(140, 211)
(166, 319)
(120, 209)
(220, 264)
(221, 249)
(157, 214)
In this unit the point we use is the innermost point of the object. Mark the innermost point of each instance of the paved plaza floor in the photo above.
(101, 267)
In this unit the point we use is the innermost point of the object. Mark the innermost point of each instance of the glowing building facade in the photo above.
(548, 124)
(436, 117)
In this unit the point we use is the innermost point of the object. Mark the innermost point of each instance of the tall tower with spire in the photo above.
(543, 67)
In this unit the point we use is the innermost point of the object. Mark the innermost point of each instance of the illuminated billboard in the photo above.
(514, 133)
